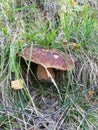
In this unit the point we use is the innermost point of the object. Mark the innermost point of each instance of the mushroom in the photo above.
(47, 60)
(42, 74)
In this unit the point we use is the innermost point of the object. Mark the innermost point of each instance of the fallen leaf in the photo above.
(75, 45)
(65, 42)
(91, 93)
(74, 3)
(17, 84)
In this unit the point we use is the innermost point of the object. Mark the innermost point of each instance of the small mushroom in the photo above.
(47, 60)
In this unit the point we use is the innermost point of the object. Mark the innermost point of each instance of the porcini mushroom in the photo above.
(47, 59)
(42, 74)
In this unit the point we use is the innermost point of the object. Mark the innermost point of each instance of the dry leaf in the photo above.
(65, 43)
(74, 3)
(75, 45)
(91, 93)
(17, 84)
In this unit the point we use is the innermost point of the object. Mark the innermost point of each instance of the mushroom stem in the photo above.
(42, 73)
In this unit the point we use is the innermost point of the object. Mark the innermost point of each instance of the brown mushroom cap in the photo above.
(48, 58)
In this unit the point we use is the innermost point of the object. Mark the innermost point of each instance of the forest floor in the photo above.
(70, 101)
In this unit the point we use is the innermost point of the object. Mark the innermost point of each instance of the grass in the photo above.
(22, 24)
